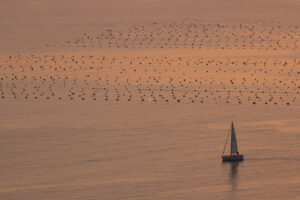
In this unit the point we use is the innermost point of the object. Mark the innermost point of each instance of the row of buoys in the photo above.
(195, 34)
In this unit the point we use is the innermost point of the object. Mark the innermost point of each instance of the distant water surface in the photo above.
(62, 150)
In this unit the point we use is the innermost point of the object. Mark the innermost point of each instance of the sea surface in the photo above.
(86, 150)
(133, 100)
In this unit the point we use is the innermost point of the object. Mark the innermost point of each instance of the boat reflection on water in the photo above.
(233, 174)
(233, 178)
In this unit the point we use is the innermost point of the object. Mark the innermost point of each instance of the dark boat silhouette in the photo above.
(234, 153)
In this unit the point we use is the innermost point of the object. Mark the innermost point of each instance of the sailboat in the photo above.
(234, 153)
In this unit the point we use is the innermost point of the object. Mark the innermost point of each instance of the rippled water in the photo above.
(74, 150)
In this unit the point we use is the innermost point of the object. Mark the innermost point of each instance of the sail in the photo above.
(234, 147)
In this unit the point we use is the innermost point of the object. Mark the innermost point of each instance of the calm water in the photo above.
(74, 150)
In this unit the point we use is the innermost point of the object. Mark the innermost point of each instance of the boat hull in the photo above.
(232, 158)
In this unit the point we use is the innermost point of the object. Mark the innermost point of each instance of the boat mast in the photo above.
(234, 147)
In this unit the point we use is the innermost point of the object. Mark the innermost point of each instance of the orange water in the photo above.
(77, 150)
